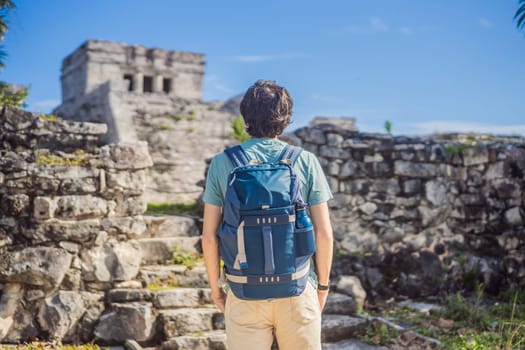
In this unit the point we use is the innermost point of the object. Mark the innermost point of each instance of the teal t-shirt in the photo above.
(314, 187)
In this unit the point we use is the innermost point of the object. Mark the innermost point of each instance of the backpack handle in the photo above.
(290, 153)
(237, 156)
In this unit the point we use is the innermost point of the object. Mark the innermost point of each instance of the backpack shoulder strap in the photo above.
(291, 153)
(237, 156)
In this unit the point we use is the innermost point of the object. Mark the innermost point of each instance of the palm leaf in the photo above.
(519, 17)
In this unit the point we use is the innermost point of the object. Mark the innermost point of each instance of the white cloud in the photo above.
(265, 57)
(45, 105)
(485, 23)
(216, 84)
(377, 24)
(463, 126)
(222, 88)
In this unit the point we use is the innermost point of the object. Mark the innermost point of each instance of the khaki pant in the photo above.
(296, 322)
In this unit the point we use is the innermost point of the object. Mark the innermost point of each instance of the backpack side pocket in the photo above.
(304, 241)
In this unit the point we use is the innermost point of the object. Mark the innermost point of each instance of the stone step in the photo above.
(184, 321)
(182, 298)
(351, 344)
(171, 226)
(175, 275)
(212, 340)
(159, 250)
(339, 327)
(340, 304)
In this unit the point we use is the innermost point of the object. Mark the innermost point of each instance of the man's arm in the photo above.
(210, 248)
(324, 241)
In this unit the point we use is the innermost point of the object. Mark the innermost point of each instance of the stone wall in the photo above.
(415, 216)
(69, 212)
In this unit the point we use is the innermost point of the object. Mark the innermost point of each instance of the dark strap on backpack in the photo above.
(291, 153)
(237, 156)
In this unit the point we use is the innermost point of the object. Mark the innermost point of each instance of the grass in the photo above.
(187, 259)
(456, 150)
(463, 323)
(191, 208)
(77, 158)
(379, 333)
(156, 286)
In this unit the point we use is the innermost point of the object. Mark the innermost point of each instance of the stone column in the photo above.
(157, 83)
(139, 82)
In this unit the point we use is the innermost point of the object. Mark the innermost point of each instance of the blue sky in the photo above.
(447, 65)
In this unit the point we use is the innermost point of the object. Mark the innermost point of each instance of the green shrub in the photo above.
(239, 130)
(11, 98)
(192, 208)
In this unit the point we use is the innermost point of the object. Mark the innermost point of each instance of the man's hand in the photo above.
(322, 295)
(219, 298)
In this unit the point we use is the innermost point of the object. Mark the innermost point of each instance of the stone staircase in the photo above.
(185, 315)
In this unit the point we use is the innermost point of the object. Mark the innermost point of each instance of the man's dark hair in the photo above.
(267, 109)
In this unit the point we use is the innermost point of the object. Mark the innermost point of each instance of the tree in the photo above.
(5, 6)
(519, 17)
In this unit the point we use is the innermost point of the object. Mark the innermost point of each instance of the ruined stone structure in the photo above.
(79, 261)
(413, 215)
(138, 72)
(151, 95)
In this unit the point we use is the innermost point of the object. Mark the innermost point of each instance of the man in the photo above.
(295, 321)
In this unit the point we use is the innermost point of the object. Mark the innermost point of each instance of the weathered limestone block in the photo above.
(358, 242)
(181, 321)
(60, 313)
(79, 207)
(352, 168)
(312, 135)
(133, 226)
(179, 298)
(415, 170)
(128, 295)
(9, 300)
(41, 266)
(132, 183)
(214, 340)
(125, 321)
(338, 327)
(334, 139)
(112, 261)
(43, 208)
(57, 230)
(63, 172)
(78, 186)
(170, 226)
(436, 192)
(412, 186)
(94, 304)
(334, 152)
(128, 206)
(16, 205)
(475, 156)
(475, 199)
(351, 286)
(433, 216)
(513, 216)
(340, 304)
(126, 156)
(368, 208)
(506, 188)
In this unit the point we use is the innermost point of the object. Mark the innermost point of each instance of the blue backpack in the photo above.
(265, 256)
